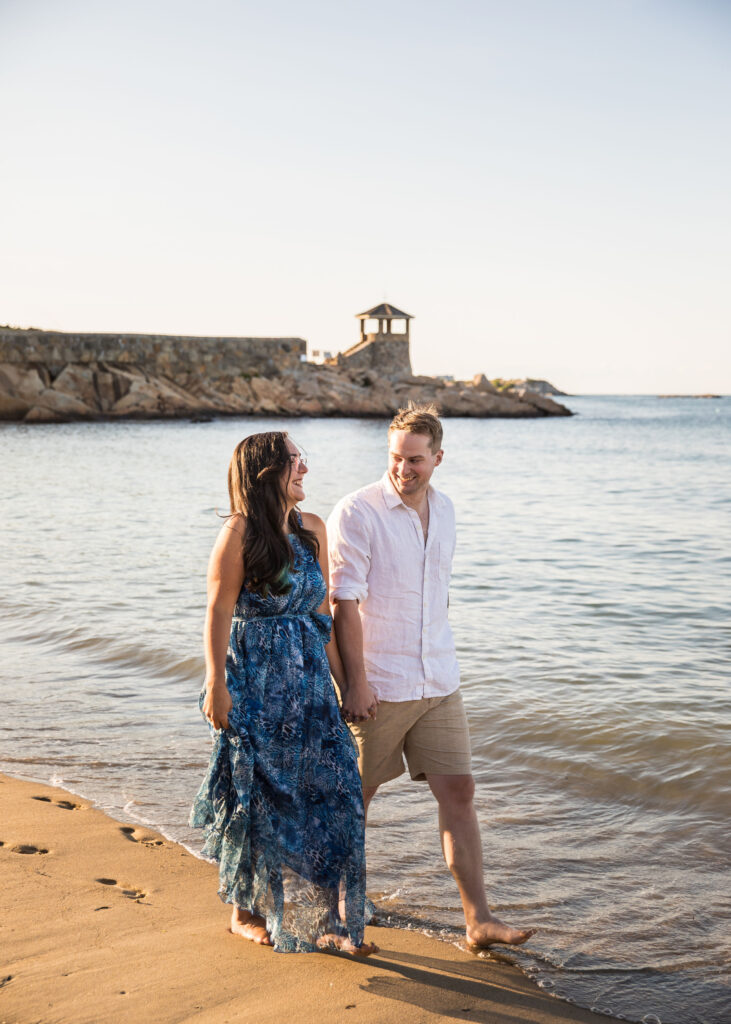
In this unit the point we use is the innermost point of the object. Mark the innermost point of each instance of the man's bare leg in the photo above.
(368, 793)
(249, 926)
(462, 848)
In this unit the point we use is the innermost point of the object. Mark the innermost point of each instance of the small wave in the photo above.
(109, 651)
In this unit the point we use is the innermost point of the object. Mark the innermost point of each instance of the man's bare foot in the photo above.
(344, 945)
(250, 926)
(493, 930)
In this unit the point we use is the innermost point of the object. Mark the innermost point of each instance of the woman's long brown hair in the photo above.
(255, 490)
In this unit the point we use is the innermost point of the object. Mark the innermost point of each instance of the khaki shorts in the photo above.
(431, 733)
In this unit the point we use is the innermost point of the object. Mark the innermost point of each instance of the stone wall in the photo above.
(388, 357)
(160, 354)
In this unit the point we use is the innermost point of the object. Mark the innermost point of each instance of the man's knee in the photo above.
(452, 790)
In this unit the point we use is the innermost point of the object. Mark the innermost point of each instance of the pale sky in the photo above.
(543, 184)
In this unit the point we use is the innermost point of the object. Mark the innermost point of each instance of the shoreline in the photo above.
(133, 930)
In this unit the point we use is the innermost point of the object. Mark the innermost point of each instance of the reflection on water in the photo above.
(590, 604)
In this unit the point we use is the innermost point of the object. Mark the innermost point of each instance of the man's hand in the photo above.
(359, 703)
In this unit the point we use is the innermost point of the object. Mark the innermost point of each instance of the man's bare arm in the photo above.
(359, 701)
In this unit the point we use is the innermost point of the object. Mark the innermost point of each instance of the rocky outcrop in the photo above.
(539, 401)
(47, 377)
(102, 390)
(540, 387)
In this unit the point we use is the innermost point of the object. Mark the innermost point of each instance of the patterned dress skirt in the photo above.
(281, 803)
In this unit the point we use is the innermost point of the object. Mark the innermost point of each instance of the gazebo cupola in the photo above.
(384, 314)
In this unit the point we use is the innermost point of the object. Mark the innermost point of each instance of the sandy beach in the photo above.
(103, 921)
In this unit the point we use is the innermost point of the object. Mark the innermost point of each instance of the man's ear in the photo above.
(439, 456)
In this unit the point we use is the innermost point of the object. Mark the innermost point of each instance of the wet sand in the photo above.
(102, 921)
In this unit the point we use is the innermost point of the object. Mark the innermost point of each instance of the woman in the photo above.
(281, 802)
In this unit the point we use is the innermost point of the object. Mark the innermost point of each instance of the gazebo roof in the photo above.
(385, 311)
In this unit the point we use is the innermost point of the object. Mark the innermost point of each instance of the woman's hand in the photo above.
(217, 704)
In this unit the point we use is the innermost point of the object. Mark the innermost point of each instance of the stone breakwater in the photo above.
(48, 377)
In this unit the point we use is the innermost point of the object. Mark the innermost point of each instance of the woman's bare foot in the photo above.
(249, 926)
(485, 933)
(344, 945)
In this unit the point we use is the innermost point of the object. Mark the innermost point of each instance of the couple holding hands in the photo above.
(289, 782)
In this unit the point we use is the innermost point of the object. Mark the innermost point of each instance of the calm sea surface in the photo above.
(591, 606)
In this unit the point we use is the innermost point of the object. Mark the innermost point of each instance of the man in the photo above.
(391, 548)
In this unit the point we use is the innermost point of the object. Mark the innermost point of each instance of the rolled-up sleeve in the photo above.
(349, 552)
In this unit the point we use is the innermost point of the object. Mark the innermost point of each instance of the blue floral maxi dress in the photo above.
(281, 802)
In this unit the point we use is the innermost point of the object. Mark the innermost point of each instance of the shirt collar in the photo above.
(392, 497)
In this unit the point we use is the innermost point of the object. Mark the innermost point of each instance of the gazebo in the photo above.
(385, 314)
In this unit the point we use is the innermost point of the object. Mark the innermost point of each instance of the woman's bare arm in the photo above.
(225, 579)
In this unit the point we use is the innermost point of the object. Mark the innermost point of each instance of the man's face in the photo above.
(411, 462)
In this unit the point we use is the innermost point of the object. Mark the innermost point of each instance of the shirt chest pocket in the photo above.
(439, 563)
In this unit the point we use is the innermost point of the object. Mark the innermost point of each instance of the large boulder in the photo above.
(307, 385)
(41, 414)
(77, 380)
(308, 407)
(61, 406)
(154, 397)
(12, 408)
(546, 405)
(268, 395)
(112, 384)
(541, 387)
(23, 381)
(482, 384)
(465, 401)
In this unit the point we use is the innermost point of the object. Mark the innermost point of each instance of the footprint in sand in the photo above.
(135, 836)
(132, 894)
(26, 848)
(65, 805)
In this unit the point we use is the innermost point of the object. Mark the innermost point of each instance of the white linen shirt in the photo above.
(378, 558)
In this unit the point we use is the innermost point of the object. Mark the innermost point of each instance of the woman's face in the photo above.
(293, 474)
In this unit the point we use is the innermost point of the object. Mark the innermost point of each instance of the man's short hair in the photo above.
(419, 419)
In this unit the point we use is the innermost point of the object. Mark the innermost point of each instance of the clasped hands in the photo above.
(359, 703)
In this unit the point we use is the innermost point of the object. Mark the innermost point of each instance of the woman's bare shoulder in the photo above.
(232, 531)
(312, 522)
(236, 522)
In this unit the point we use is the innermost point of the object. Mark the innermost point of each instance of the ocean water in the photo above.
(591, 605)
